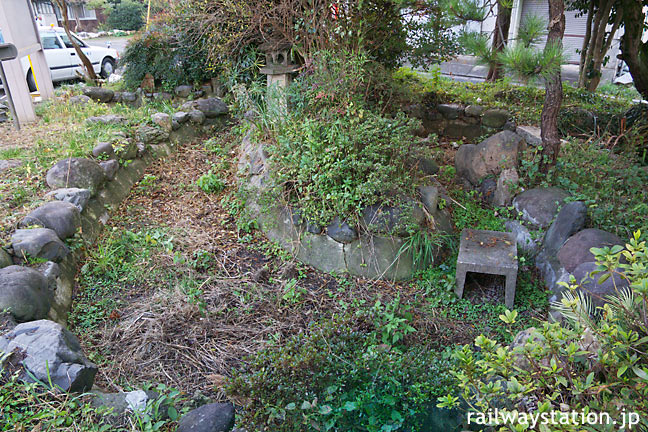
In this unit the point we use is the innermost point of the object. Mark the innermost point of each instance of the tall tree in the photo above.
(634, 51)
(553, 89)
(500, 37)
(87, 64)
(597, 40)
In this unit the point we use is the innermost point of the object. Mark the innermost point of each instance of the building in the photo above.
(81, 17)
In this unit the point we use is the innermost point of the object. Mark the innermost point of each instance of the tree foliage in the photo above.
(127, 15)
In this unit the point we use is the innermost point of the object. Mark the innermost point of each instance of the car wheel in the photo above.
(107, 67)
(31, 83)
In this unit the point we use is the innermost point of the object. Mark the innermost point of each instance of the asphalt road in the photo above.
(118, 43)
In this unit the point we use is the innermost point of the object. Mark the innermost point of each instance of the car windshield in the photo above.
(67, 42)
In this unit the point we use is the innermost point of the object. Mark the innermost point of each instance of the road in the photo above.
(118, 43)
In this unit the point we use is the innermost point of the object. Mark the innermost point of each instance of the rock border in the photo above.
(370, 248)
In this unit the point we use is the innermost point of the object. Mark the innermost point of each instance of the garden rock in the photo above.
(196, 116)
(474, 162)
(110, 168)
(122, 403)
(130, 98)
(163, 120)
(211, 107)
(24, 292)
(495, 118)
(5, 260)
(569, 221)
(391, 220)
(375, 257)
(474, 110)
(183, 91)
(613, 285)
(99, 94)
(523, 237)
(60, 216)
(163, 96)
(340, 231)
(79, 100)
(107, 119)
(450, 111)
(487, 189)
(531, 135)
(214, 417)
(49, 352)
(322, 252)
(38, 243)
(151, 135)
(539, 206)
(78, 197)
(576, 249)
(507, 180)
(104, 150)
(175, 125)
(76, 173)
(427, 165)
(180, 117)
(6, 164)
(430, 198)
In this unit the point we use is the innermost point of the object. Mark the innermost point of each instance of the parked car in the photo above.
(63, 61)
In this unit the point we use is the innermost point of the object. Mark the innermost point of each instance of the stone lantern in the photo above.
(279, 65)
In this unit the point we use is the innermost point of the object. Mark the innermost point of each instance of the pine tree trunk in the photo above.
(584, 59)
(553, 91)
(500, 39)
(633, 51)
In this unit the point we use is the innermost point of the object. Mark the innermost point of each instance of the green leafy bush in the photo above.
(127, 15)
(210, 183)
(163, 52)
(590, 363)
(339, 166)
(342, 376)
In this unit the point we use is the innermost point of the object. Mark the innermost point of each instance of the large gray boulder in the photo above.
(576, 249)
(180, 117)
(589, 284)
(569, 221)
(214, 417)
(540, 205)
(211, 107)
(60, 216)
(495, 118)
(25, 293)
(78, 197)
(474, 162)
(49, 352)
(341, 232)
(76, 173)
(99, 94)
(39, 243)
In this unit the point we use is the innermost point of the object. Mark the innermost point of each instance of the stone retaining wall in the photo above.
(366, 248)
(458, 121)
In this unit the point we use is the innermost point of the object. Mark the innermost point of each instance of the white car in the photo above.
(63, 61)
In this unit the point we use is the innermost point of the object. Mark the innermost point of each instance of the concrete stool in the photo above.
(489, 252)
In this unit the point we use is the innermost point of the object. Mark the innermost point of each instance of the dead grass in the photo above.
(160, 334)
